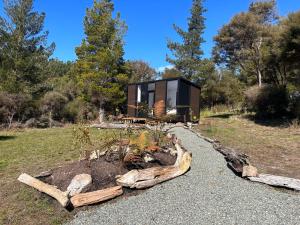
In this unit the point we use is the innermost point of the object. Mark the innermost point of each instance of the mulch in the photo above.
(102, 170)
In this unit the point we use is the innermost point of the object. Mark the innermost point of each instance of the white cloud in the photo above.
(163, 68)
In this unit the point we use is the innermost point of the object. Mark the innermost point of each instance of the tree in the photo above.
(240, 44)
(188, 54)
(170, 73)
(222, 87)
(100, 65)
(290, 48)
(24, 52)
(140, 71)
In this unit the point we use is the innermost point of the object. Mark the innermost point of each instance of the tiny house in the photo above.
(175, 98)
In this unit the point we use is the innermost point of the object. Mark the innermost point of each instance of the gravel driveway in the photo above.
(208, 194)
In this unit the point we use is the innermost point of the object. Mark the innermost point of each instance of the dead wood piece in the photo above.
(116, 126)
(96, 196)
(146, 178)
(277, 181)
(60, 196)
(234, 160)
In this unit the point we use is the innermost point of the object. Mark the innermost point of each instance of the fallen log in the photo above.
(235, 161)
(96, 196)
(117, 126)
(146, 178)
(277, 181)
(60, 196)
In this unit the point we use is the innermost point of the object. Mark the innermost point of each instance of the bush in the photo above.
(12, 106)
(267, 101)
(295, 105)
(79, 111)
(52, 105)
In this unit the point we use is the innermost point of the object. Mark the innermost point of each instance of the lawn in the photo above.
(272, 146)
(33, 151)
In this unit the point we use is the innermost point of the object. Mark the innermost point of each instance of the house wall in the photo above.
(195, 102)
(160, 98)
(131, 100)
(183, 101)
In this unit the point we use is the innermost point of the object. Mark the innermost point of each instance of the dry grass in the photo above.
(273, 146)
(33, 151)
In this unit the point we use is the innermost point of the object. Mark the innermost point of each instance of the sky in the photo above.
(150, 24)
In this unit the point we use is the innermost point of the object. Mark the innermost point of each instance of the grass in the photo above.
(272, 146)
(33, 151)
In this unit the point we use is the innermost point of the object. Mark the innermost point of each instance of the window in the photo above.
(172, 87)
(139, 94)
(151, 100)
(151, 87)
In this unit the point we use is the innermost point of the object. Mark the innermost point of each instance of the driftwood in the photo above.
(96, 196)
(146, 178)
(117, 126)
(60, 196)
(235, 161)
(277, 181)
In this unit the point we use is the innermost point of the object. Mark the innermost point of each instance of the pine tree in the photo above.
(100, 64)
(188, 54)
(23, 50)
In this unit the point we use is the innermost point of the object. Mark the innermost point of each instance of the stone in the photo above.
(249, 171)
(148, 158)
(79, 184)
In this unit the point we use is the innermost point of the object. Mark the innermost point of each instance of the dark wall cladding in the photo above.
(187, 98)
(144, 98)
(183, 100)
(195, 102)
(131, 100)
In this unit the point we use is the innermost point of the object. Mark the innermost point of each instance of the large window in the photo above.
(172, 87)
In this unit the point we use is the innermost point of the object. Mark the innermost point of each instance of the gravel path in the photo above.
(208, 194)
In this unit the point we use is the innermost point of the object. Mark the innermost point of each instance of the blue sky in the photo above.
(149, 22)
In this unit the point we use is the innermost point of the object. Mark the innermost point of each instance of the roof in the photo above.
(167, 79)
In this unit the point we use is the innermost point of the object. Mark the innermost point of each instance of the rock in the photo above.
(97, 154)
(249, 171)
(79, 184)
(31, 123)
(148, 158)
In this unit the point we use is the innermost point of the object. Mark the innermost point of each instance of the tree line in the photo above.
(254, 64)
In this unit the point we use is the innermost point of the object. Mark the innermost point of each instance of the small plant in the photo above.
(82, 140)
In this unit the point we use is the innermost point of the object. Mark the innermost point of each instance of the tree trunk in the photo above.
(10, 119)
(259, 78)
(101, 114)
(50, 119)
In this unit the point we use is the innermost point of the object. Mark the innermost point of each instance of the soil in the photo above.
(103, 172)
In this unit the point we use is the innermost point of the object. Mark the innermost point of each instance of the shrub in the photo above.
(295, 105)
(79, 111)
(267, 101)
(12, 106)
(52, 104)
